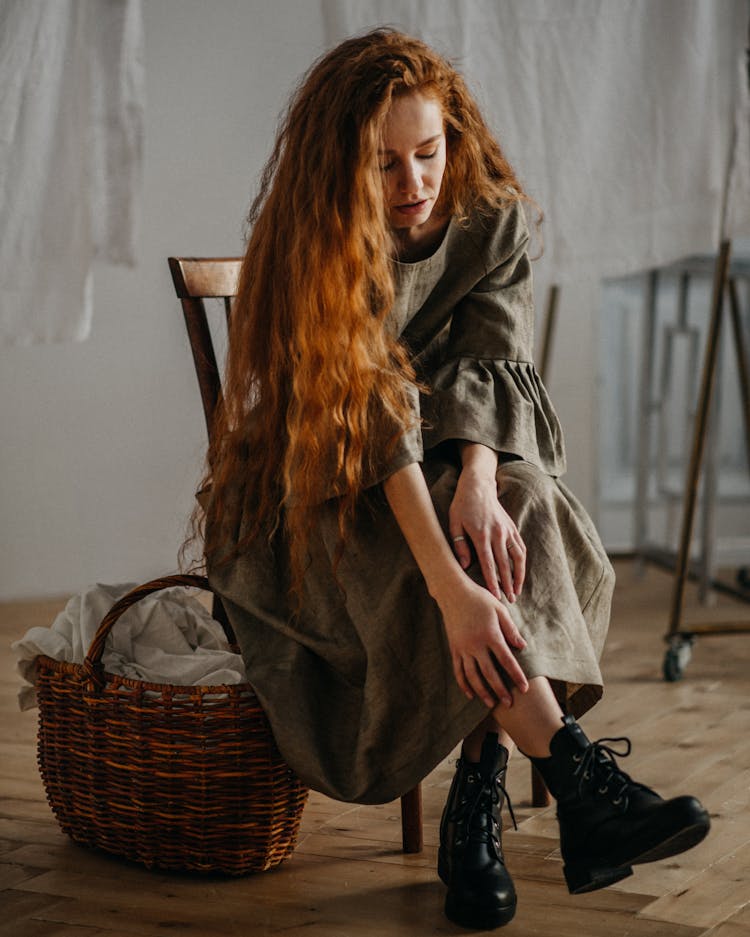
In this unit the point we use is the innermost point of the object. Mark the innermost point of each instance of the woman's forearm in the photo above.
(478, 458)
(410, 501)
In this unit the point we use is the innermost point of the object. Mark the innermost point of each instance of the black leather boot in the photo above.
(608, 823)
(470, 860)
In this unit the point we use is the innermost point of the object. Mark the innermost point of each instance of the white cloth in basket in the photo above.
(166, 637)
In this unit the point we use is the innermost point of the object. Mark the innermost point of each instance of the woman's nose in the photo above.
(411, 179)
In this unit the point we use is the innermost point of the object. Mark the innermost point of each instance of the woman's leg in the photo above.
(533, 719)
(472, 747)
(530, 723)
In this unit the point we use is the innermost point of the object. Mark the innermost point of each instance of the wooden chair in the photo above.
(198, 279)
(195, 280)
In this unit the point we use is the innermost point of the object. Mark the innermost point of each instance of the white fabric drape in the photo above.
(71, 123)
(626, 119)
(167, 637)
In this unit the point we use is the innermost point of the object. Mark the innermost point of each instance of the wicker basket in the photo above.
(179, 777)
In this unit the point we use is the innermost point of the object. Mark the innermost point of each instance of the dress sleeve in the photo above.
(389, 447)
(395, 447)
(485, 387)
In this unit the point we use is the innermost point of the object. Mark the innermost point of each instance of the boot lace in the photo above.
(487, 794)
(598, 764)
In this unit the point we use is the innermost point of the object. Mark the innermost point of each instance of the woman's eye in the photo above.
(386, 167)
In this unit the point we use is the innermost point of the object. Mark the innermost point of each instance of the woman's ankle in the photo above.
(471, 750)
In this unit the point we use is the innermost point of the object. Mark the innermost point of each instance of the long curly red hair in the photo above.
(312, 375)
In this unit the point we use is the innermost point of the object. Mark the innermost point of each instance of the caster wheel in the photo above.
(677, 657)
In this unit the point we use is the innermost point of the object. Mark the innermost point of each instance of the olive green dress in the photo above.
(359, 688)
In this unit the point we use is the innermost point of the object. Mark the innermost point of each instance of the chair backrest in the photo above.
(195, 280)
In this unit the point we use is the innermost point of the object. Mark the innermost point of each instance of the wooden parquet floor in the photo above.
(348, 877)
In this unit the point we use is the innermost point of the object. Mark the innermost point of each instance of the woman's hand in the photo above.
(476, 517)
(480, 635)
(478, 626)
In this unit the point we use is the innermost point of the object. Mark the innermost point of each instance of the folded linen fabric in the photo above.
(168, 637)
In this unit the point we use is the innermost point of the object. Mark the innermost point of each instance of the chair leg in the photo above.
(411, 820)
(540, 796)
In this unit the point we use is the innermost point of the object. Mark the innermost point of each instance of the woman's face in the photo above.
(413, 161)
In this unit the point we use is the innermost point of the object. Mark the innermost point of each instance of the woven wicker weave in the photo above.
(180, 777)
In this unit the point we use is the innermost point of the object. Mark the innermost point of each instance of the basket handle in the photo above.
(93, 662)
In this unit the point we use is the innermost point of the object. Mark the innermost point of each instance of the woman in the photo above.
(386, 528)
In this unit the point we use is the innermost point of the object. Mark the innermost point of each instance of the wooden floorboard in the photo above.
(349, 878)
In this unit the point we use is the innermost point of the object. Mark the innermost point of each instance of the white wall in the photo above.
(102, 442)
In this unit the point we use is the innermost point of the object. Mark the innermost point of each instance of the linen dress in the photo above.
(359, 687)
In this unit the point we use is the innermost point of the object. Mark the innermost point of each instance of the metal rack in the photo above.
(680, 636)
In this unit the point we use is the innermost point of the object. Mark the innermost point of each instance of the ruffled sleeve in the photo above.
(485, 388)
(499, 403)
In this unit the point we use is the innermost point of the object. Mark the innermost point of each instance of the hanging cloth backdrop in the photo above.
(71, 124)
(627, 120)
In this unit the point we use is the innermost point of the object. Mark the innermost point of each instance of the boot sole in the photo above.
(680, 842)
(581, 879)
(471, 916)
(590, 877)
(478, 918)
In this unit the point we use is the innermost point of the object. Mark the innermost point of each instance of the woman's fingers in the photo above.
(509, 629)
(510, 556)
(477, 520)
(458, 672)
(504, 568)
(479, 677)
(515, 674)
(505, 656)
(461, 547)
(485, 667)
(517, 554)
(493, 678)
(486, 558)
(482, 677)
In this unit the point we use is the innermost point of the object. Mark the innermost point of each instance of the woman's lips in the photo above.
(412, 208)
